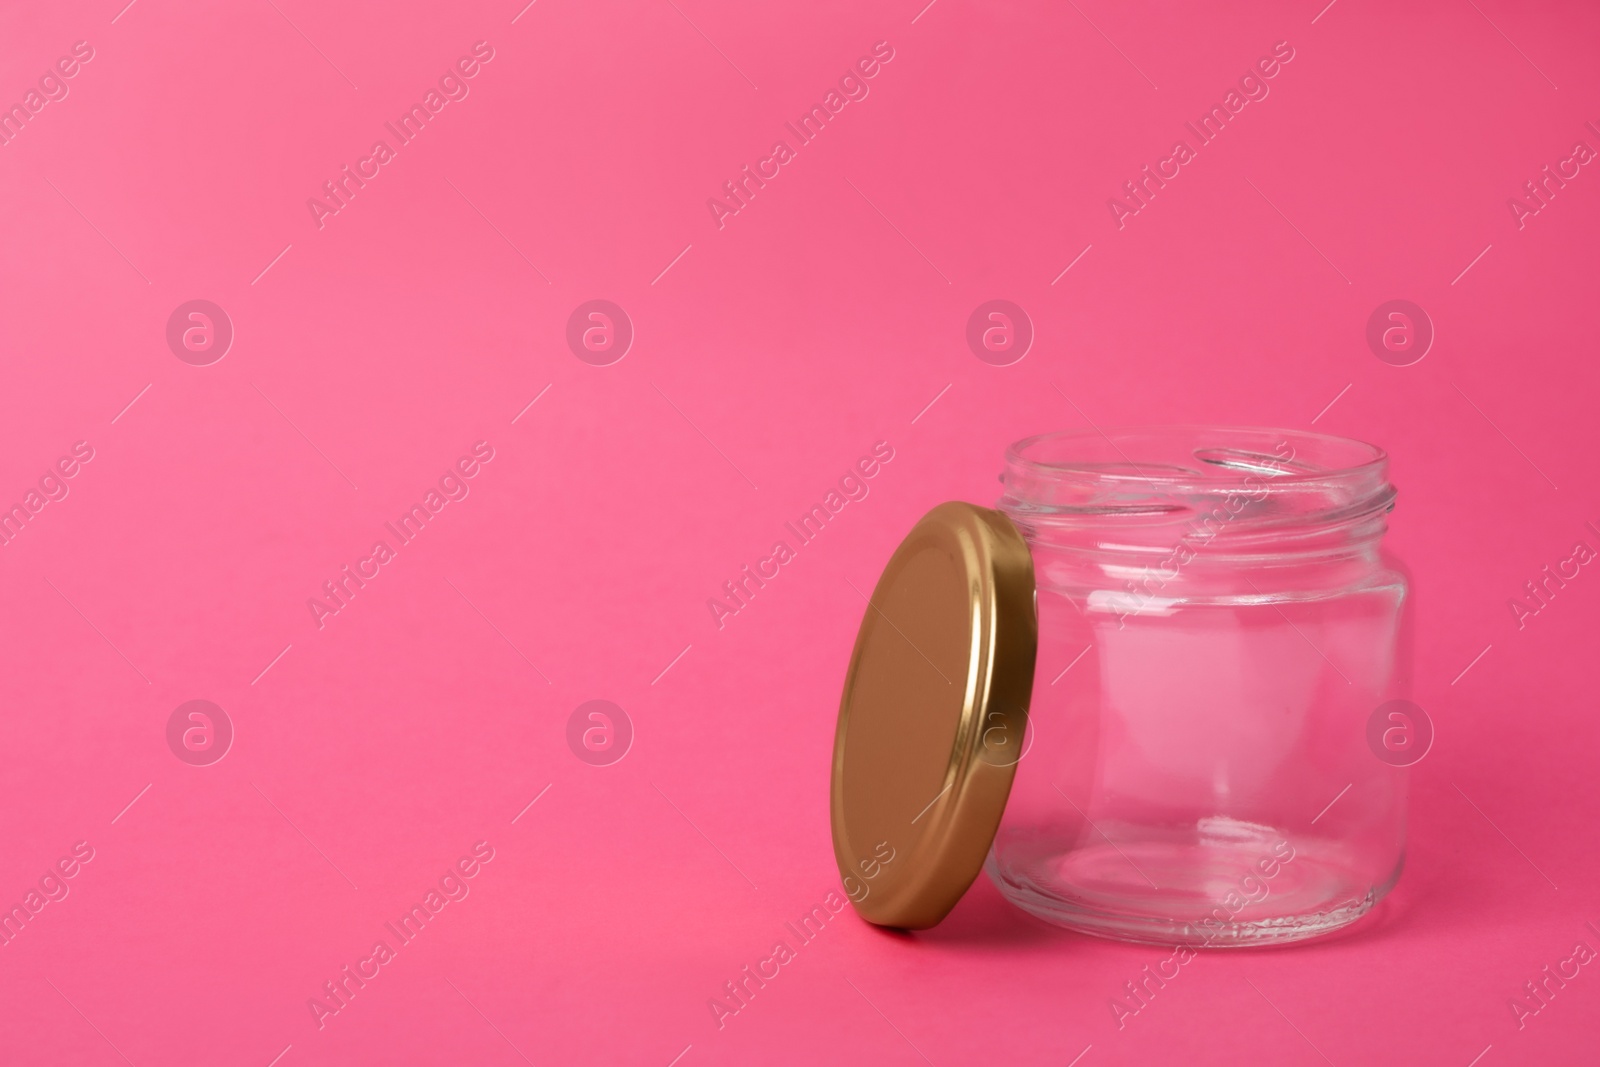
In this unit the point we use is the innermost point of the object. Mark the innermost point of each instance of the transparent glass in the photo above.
(1217, 625)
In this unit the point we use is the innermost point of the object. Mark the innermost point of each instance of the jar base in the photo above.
(1202, 896)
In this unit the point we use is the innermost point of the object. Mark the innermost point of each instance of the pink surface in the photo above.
(373, 347)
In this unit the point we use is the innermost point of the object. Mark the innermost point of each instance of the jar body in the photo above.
(1199, 770)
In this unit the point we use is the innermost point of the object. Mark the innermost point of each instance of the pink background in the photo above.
(822, 318)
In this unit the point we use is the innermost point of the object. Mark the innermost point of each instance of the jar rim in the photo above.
(1267, 480)
(1218, 452)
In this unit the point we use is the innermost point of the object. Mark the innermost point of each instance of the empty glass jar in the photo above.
(1217, 625)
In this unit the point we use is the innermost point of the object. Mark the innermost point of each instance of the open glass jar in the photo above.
(1208, 628)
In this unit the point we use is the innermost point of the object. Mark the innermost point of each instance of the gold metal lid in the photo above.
(932, 718)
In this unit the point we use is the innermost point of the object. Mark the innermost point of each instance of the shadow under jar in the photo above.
(1216, 626)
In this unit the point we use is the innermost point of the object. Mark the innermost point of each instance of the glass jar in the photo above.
(1216, 626)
